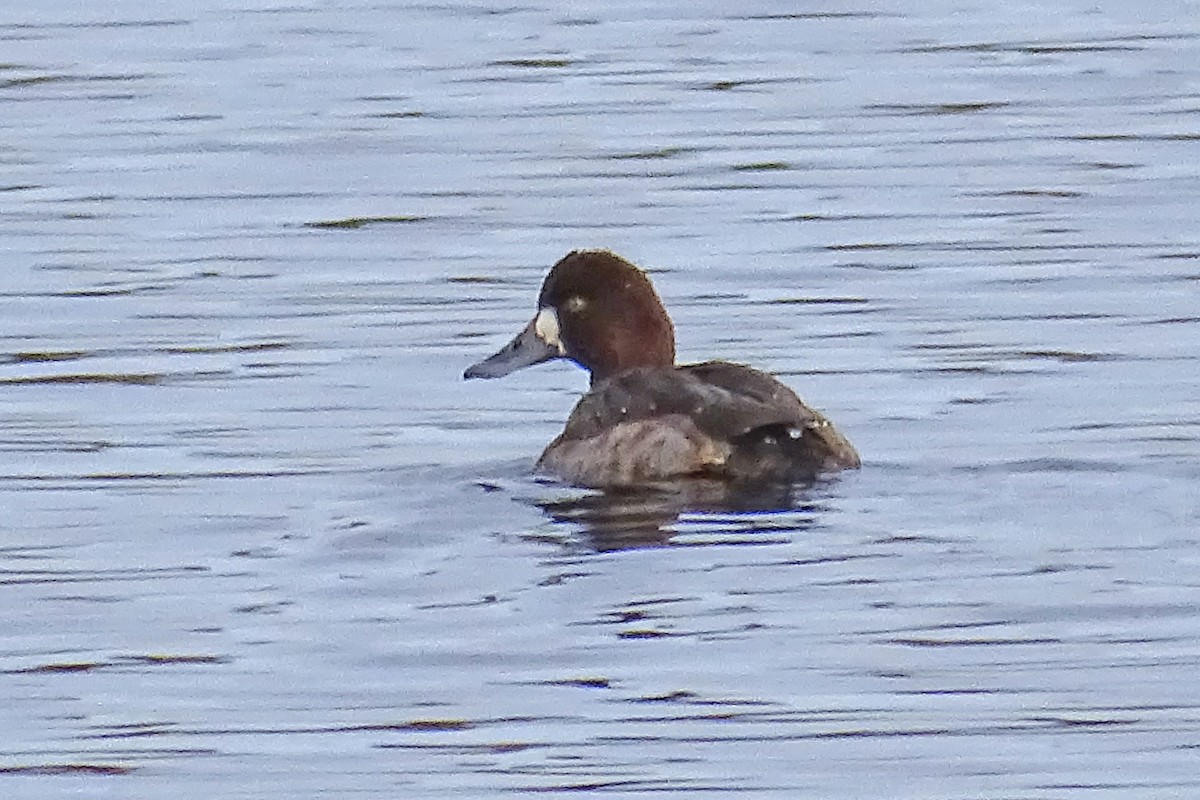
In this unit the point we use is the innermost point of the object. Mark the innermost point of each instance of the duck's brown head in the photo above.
(595, 309)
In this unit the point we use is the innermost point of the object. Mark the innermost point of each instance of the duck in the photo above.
(646, 420)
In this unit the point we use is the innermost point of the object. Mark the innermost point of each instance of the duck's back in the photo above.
(714, 419)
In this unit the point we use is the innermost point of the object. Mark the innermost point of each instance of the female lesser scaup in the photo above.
(646, 420)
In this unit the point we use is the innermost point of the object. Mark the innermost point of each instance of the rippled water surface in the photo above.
(258, 539)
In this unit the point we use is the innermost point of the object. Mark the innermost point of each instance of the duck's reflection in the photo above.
(625, 519)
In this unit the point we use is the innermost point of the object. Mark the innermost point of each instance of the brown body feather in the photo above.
(715, 419)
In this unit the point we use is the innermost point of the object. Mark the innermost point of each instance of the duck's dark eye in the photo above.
(574, 304)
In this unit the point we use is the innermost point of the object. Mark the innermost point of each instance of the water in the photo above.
(259, 540)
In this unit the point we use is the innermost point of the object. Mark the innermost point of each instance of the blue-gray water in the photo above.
(259, 540)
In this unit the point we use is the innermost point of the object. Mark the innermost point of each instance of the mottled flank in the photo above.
(637, 452)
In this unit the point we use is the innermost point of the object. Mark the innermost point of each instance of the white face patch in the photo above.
(545, 325)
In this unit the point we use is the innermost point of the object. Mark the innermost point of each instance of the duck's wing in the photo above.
(742, 409)
(786, 428)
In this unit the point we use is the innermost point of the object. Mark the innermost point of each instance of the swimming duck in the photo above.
(644, 419)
